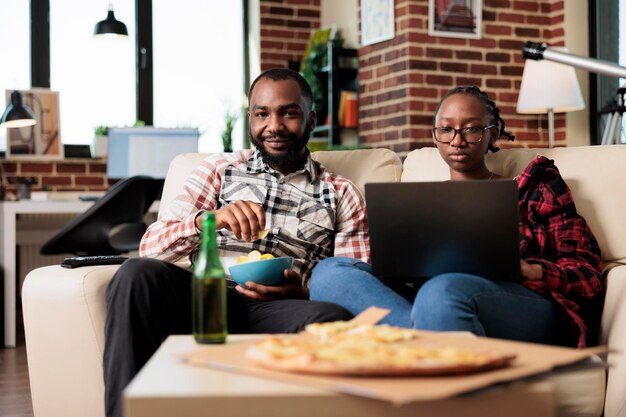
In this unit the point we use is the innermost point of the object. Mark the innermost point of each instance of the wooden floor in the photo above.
(14, 387)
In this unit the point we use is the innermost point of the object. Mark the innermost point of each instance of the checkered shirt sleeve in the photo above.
(351, 234)
(174, 236)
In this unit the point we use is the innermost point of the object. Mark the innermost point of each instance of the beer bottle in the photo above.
(208, 288)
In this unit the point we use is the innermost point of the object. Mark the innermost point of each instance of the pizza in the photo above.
(341, 330)
(342, 348)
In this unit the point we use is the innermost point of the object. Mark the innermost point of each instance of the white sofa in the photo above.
(64, 310)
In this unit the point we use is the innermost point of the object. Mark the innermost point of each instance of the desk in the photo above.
(166, 387)
(9, 211)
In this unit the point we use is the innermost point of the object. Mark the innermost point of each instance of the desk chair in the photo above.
(113, 225)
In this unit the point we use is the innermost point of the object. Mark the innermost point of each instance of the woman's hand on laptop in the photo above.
(532, 272)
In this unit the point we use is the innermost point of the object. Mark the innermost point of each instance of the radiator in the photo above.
(33, 230)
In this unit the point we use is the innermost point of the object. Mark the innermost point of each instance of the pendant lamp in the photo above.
(110, 27)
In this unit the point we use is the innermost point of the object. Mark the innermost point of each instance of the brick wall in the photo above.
(402, 79)
(66, 175)
(286, 26)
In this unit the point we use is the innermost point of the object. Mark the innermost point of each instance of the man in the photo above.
(311, 214)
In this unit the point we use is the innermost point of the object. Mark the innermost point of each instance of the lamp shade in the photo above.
(110, 27)
(17, 114)
(549, 87)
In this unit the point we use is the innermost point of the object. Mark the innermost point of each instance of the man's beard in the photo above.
(287, 158)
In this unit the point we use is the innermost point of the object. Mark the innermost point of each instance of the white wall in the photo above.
(344, 14)
(577, 43)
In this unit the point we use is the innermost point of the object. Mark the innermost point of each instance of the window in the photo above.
(198, 67)
(95, 77)
(195, 70)
(622, 37)
(607, 42)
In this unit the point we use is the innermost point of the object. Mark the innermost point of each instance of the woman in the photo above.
(558, 296)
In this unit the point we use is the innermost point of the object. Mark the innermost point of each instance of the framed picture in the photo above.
(377, 21)
(455, 18)
(42, 140)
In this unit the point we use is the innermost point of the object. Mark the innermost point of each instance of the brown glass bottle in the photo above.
(208, 292)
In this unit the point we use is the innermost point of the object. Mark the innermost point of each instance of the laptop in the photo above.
(421, 229)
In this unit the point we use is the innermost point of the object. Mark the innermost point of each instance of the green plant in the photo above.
(101, 130)
(227, 134)
(311, 68)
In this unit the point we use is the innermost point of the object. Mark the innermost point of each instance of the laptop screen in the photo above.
(422, 229)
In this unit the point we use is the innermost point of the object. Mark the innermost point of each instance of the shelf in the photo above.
(340, 74)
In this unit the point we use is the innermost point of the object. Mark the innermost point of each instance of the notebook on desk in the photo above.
(421, 229)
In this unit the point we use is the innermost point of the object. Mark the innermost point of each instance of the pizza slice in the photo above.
(341, 330)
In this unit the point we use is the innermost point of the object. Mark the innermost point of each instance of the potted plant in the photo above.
(100, 142)
(311, 69)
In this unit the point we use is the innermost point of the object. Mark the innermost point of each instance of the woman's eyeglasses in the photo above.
(472, 134)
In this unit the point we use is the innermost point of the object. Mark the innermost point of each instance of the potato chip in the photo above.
(255, 255)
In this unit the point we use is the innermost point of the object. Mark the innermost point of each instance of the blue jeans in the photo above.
(446, 302)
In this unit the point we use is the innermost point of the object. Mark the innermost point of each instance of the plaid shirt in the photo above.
(555, 236)
(312, 213)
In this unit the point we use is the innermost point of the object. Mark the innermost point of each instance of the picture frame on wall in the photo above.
(377, 21)
(455, 18)
(43, 139)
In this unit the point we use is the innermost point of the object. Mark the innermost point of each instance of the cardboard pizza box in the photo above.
(531, 360)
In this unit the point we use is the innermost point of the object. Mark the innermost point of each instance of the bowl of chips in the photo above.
(264, 269)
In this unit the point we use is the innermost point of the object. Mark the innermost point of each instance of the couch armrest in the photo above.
(64, 313)
(614, 335)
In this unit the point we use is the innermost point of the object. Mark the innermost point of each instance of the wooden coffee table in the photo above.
(167, 387)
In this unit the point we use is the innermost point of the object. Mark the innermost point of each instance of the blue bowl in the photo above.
(266, 272)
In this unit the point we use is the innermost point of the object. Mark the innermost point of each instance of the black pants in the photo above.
(148, 300)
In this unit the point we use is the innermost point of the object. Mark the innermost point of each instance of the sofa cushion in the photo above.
(381, 165)
(613, 334)
(593, 173)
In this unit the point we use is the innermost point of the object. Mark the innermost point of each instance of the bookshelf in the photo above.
(339, 75)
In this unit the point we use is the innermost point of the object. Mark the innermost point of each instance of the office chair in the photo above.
(113, 225)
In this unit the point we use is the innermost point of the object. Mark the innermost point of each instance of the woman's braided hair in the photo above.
(490, 109)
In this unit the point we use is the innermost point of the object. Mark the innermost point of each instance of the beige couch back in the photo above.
(595, 174)
(361, 166)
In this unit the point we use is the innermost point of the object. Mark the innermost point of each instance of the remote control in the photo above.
(92, 260)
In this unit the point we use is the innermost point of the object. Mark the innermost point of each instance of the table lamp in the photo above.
(17, 114)
(110, 27)
(549, 87)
